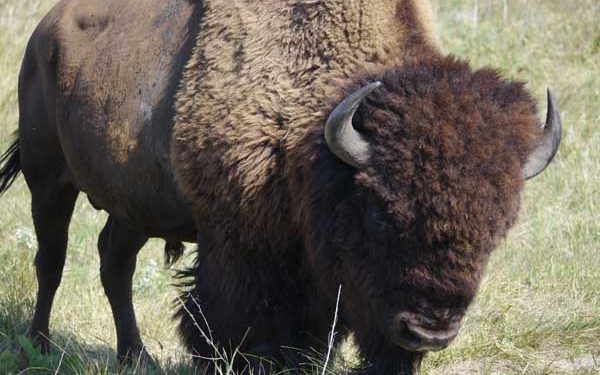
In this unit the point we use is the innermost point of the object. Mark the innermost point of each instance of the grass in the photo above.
(538, 311)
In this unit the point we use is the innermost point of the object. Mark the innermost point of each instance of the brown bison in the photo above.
(304, 145)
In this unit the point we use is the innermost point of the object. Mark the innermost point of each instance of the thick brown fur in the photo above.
(282, 222)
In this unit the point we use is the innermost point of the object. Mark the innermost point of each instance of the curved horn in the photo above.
(341, 137)
(541, 157)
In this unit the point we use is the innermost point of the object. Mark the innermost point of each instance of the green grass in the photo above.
(538, 311)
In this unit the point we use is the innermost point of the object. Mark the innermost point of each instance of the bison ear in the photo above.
(542, 156)
(341, 137)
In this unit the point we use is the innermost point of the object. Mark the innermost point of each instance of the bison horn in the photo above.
(341, 137)
(541, 157)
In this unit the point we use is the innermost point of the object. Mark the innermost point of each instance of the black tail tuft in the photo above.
(10, 165)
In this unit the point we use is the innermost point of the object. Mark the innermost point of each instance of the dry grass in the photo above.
(538, 311)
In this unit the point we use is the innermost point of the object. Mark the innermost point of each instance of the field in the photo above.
(538, 311)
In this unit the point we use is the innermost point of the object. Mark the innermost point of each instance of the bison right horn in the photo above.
(341, 137)
(542, 156)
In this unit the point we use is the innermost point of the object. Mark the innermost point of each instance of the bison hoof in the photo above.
(136, 357)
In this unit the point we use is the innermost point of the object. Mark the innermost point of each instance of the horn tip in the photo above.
(551, 95)
(374, 85)
(553, 113)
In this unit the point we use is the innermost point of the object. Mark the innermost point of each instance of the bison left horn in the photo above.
(343, 140)
(542, 156)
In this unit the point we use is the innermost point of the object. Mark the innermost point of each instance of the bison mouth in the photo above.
(413, 335)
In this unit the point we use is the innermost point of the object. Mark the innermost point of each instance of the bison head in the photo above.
(426, 166)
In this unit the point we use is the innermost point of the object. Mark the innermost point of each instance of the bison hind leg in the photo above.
(37, 152)
(52, 207)
(118, 246)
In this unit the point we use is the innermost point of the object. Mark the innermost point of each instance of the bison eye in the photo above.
(376, 219)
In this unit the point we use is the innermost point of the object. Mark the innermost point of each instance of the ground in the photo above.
(538, 311)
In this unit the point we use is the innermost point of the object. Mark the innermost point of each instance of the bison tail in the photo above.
(10, 165)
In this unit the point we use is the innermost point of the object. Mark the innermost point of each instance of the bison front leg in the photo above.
(380, 357)
(239, 303)
(118, 246)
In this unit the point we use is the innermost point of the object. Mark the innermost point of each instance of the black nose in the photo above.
(417, 338)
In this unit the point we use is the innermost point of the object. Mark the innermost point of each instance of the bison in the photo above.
(303, 145)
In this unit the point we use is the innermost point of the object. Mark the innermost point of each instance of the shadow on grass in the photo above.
(69, 354)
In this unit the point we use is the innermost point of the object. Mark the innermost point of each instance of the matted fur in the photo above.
(282, 222)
